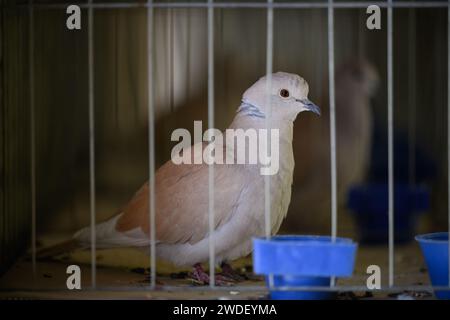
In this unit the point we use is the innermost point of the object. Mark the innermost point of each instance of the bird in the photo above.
(356, 81)
(181, 192)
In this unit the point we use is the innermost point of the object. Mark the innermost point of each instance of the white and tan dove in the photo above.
(181, 190)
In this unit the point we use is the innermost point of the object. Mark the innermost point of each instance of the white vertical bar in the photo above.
(32, 138)
(170, 45)
(151, 145)
(269, 64)
(188, 53)
(448, 132)
(267, 178)
(211, 125)
(92, 139)
(332, 119)
(332, 124)
(390, 141)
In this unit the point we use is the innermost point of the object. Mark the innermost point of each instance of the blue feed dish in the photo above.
(299, 281)
(303, 261)
(369, 204)
(435, 250)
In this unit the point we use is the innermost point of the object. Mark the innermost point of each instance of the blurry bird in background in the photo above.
(356, 83)
(181, 192)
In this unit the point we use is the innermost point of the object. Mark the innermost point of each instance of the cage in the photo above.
(87, 115)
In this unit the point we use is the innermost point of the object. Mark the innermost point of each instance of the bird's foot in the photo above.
(229, 272)
(200, 277)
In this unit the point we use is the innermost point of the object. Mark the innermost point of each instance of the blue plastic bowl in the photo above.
(369, 203)
(302, 261)
(435, 250)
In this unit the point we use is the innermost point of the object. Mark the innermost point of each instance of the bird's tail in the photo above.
(58, 249)
(106, 237)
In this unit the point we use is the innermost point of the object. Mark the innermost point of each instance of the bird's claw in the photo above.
(200, 277)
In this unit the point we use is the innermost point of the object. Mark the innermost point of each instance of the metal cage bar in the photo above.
(269, 67)
(32, 137)
(390, 87)
(331, 84)
(212, 263)
(258, 5)
(267, 178)
(167, 288)
(92, 143)
(151, 146)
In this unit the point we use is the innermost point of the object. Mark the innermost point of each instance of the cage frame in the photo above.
(210, 5)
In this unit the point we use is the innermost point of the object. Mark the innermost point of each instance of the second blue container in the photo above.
(302, 261)
(435, 250)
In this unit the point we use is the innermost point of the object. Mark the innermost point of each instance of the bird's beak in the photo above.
(309, 106)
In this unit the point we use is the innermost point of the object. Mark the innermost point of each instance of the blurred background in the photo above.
(180, 79)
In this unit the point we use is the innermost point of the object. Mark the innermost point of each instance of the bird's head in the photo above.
(287, 97)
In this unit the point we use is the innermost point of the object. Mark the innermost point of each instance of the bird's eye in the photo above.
(284, 93)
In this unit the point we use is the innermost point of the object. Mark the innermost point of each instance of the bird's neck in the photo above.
(248, 118)
(285, 129)
(250, 110)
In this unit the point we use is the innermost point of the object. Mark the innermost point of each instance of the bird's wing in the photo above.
(181, 193)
